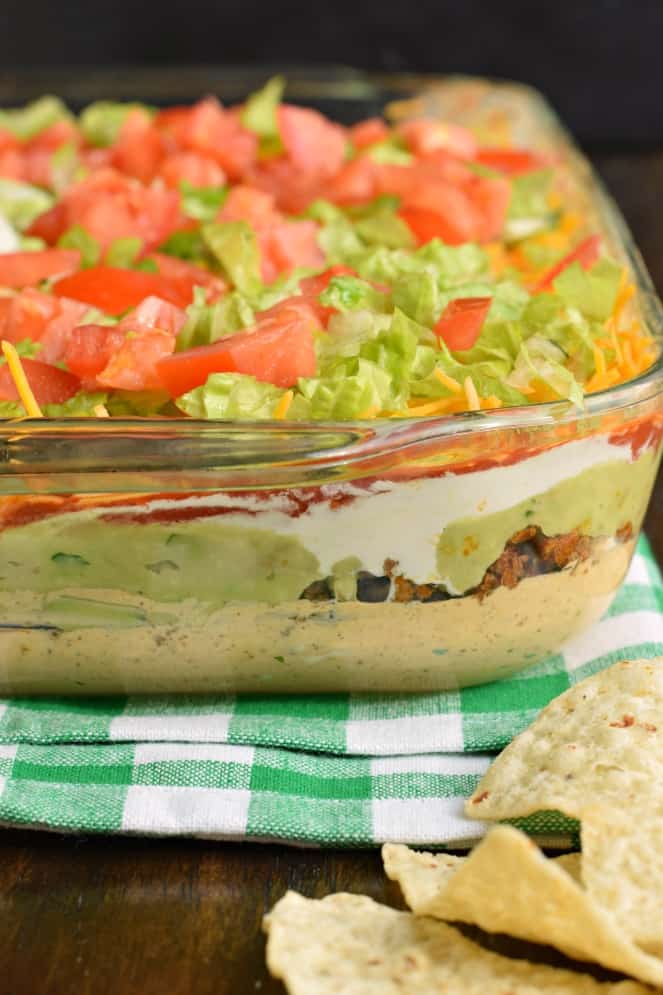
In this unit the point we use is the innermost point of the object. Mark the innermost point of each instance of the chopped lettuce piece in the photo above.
(347, 293)
(357, 389)
(234, 245)
(202, 203)
(529, 195)
(541, 359)
(208, 322)
(391, 152)
(592, 291)
(385, 228)
(231, 396)
(77, 237)
(139, 403)
(188, 245)
(259, 115)
(81, 405)
(65, 167)
(26, 122)
(9, 238)
(417, 295)
(124, 252)
(101, 122)
(21, 203)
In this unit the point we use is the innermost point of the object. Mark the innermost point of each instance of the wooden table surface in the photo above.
(114, 916)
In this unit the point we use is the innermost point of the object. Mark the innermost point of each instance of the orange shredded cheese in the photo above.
(473, 402)
(370, 412)
(447, 381)
(24, 389)
(281, 409)
(599, 360)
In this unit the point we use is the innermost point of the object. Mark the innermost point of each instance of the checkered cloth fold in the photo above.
(352, 770)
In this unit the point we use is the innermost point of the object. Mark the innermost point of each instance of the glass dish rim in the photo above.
(646, 386)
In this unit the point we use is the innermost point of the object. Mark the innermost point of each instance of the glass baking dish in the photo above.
(153, 555)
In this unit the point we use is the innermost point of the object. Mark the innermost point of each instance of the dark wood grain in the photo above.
(99, 916)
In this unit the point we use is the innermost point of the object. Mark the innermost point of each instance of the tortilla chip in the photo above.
(507, 885)
(350, 945)
(599, 742)
(622, 869)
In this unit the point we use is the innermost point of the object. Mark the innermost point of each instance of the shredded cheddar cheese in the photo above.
(281, 409)
(28, 399)
(447, 381)
(471, 394)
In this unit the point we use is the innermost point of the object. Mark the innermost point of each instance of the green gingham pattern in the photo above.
(320, 770)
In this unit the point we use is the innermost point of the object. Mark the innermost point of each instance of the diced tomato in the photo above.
(41, 318)
(154, 313)
(279, 349)
(357, 182)
(312, 142)
(49, 384)
(208, 129)
(586, 253)
(491, 197)
(111, 206)
(511, 161)
(425, 135)
(25, 315)
(12, 165)
(426, 224)
(56, 135)
(55, 336)
(462, 320)
(285, 246)
(22, 269)
(89, 350)
(247, 203)
(198, 170)
(187, 276)
(134, 365)
(115, 290)
(8, 140)
(368, 132)
(139, 149)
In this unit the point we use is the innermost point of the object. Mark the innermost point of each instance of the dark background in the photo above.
(599, 61)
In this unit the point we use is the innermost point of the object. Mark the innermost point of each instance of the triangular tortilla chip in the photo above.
(622, 870)
(599, 742)
(350, 945)
(507, 885)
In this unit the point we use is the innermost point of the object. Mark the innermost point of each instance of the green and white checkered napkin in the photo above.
(349, 770)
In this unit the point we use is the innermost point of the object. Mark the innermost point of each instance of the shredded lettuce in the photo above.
(208, 322)
(77, 237)
(347, 293)
(10, 240)
(593, 292)
(234, 245)
(259, 115)
(231, 396)
(124, 252)
(81, 405)
(391, 152)
(202, 203)
(139, 403)
(541, 359)
(188, 245)
(101, 122)
(21, 203)
(26, 122)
